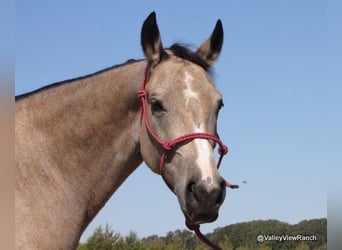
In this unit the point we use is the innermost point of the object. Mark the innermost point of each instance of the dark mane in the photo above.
(179, 50)
(183, 51)
(21, 96)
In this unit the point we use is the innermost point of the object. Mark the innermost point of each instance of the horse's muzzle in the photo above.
(203, 201)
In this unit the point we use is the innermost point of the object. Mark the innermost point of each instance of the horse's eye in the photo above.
(156, 106)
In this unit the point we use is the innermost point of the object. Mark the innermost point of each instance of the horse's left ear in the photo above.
(211, 48)
(151, 41)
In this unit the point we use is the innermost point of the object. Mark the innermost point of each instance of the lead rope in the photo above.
(196, 229)
(171, 145)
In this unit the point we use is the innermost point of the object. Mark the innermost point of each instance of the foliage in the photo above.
(240, 236)
(103, 239)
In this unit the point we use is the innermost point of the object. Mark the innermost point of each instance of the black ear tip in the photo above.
(151, 16)
(150, 27)
(219, 25)
(217, 37)
(150, 21)
(218, 31)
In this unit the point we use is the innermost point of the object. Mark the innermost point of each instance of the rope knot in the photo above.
(141, 93)
(192, 226)
(167, 146)
(223, 149)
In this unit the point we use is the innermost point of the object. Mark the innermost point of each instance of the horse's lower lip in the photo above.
(197, 221)
(189, 218)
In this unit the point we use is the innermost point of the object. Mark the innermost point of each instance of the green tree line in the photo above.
(306, 235)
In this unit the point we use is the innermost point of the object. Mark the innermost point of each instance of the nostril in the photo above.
(219, 198)
(221, 194)
(192, 190)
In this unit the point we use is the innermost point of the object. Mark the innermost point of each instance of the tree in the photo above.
(302, 246)
(103, 239)
(265, 247)
(176, 244)
(226, 244)
(132, 241)
(153, 242)
(243, 248)
(241, 236)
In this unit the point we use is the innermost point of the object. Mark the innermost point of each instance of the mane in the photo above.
(180, 50)
(21, 96)
(183, 51)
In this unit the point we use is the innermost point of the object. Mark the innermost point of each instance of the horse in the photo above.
(77, 141)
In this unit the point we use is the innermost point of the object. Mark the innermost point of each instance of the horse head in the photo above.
(180, 99)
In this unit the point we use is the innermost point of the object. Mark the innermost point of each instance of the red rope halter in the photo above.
(168, 146)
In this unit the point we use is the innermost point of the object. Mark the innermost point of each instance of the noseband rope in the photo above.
(169, 146)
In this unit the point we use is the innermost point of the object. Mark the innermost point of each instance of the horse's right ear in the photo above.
(150, 40)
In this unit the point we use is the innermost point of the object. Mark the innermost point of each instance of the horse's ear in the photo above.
(211, 48)
(150, 40)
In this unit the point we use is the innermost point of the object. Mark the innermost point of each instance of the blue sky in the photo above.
(279, 117)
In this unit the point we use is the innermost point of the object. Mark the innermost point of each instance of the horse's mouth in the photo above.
(200, 218)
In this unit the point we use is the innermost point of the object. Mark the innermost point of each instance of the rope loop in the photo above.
(196, 229)
(192, 226)
(223, 149)
(141, 93)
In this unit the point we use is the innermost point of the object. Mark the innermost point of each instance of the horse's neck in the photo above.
(84, 137)
(97, 133)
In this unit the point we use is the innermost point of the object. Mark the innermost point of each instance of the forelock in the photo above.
(184, 52)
